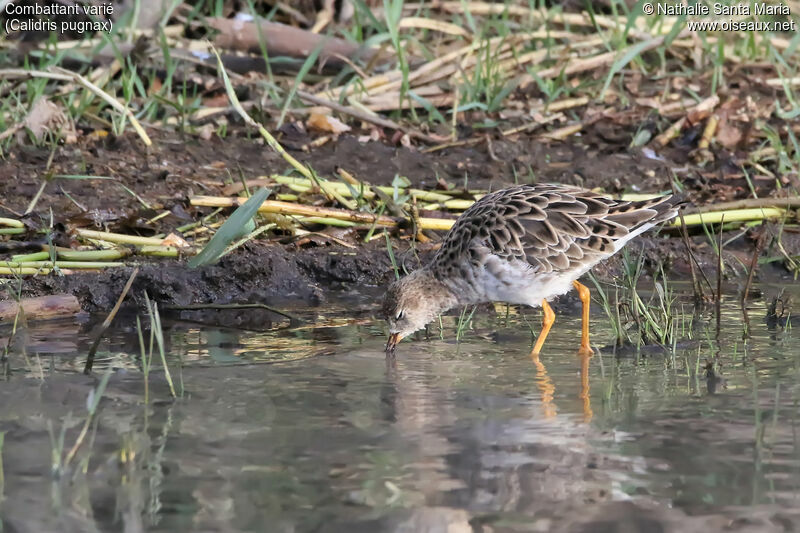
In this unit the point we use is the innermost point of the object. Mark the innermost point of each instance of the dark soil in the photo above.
(174, 169)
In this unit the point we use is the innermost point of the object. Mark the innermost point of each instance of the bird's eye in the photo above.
(400, 315)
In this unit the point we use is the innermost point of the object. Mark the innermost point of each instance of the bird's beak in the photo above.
(394, 338)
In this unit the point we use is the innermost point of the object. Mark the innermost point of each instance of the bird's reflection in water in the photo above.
(546, 387)
(543, 381)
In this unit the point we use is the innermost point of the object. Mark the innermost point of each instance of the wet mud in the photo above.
(285, 271)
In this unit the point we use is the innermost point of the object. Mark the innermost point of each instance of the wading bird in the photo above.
(522, 245)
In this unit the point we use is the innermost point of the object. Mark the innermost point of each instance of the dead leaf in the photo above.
(633, 83)
(155, 86)
(206, 131)
(729, 132)
(375, 134)
(46, 116)
(728, 135)
(173, 239)
(326, 123)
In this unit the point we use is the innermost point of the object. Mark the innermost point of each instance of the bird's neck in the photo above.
(449, 292)
(437, 289)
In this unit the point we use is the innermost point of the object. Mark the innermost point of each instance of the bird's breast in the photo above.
(498, 279)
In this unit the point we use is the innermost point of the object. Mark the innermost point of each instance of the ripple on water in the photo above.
(310, 428)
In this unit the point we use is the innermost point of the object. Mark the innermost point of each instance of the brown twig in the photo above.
(749, 203)
(196, 307)
(670, 133)
(594, 62)
(718, 299)
(42, 307)
(283, 40)
(562, 133)
(693, 115)
(452, 144)
(692, 260)
(533, 125)
(366, 117)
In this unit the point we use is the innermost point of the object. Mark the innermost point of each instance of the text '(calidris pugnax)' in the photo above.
(522, 245)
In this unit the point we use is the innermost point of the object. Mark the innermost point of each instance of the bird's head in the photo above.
(412, 302)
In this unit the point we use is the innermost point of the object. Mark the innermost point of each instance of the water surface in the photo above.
(310, 428)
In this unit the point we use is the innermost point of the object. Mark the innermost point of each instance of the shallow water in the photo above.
(309, 428)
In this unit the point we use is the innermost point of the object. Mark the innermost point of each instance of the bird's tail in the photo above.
(652, 211)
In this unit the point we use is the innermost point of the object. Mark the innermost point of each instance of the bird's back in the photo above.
(543, 235)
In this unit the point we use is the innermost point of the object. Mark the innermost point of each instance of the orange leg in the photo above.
(547, 323)
(584, 395)
(586, 297)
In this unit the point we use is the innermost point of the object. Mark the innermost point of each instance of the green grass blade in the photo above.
(632, 16)
(674, 31)
(155, 325)
(792, 48)
(429, 107)
(631, 53)
(230, 230)
(309, 62)
(390, 250)
(97, 394)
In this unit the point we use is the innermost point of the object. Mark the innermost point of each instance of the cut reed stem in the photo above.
(286, 208)
(11, 222)
(61, 264)
(119, 238)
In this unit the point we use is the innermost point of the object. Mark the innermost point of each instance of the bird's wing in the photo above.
(554, 228)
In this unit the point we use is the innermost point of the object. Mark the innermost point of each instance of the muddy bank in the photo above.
(175, 169)
(269, 274)
(288, 276)
(282, 270)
